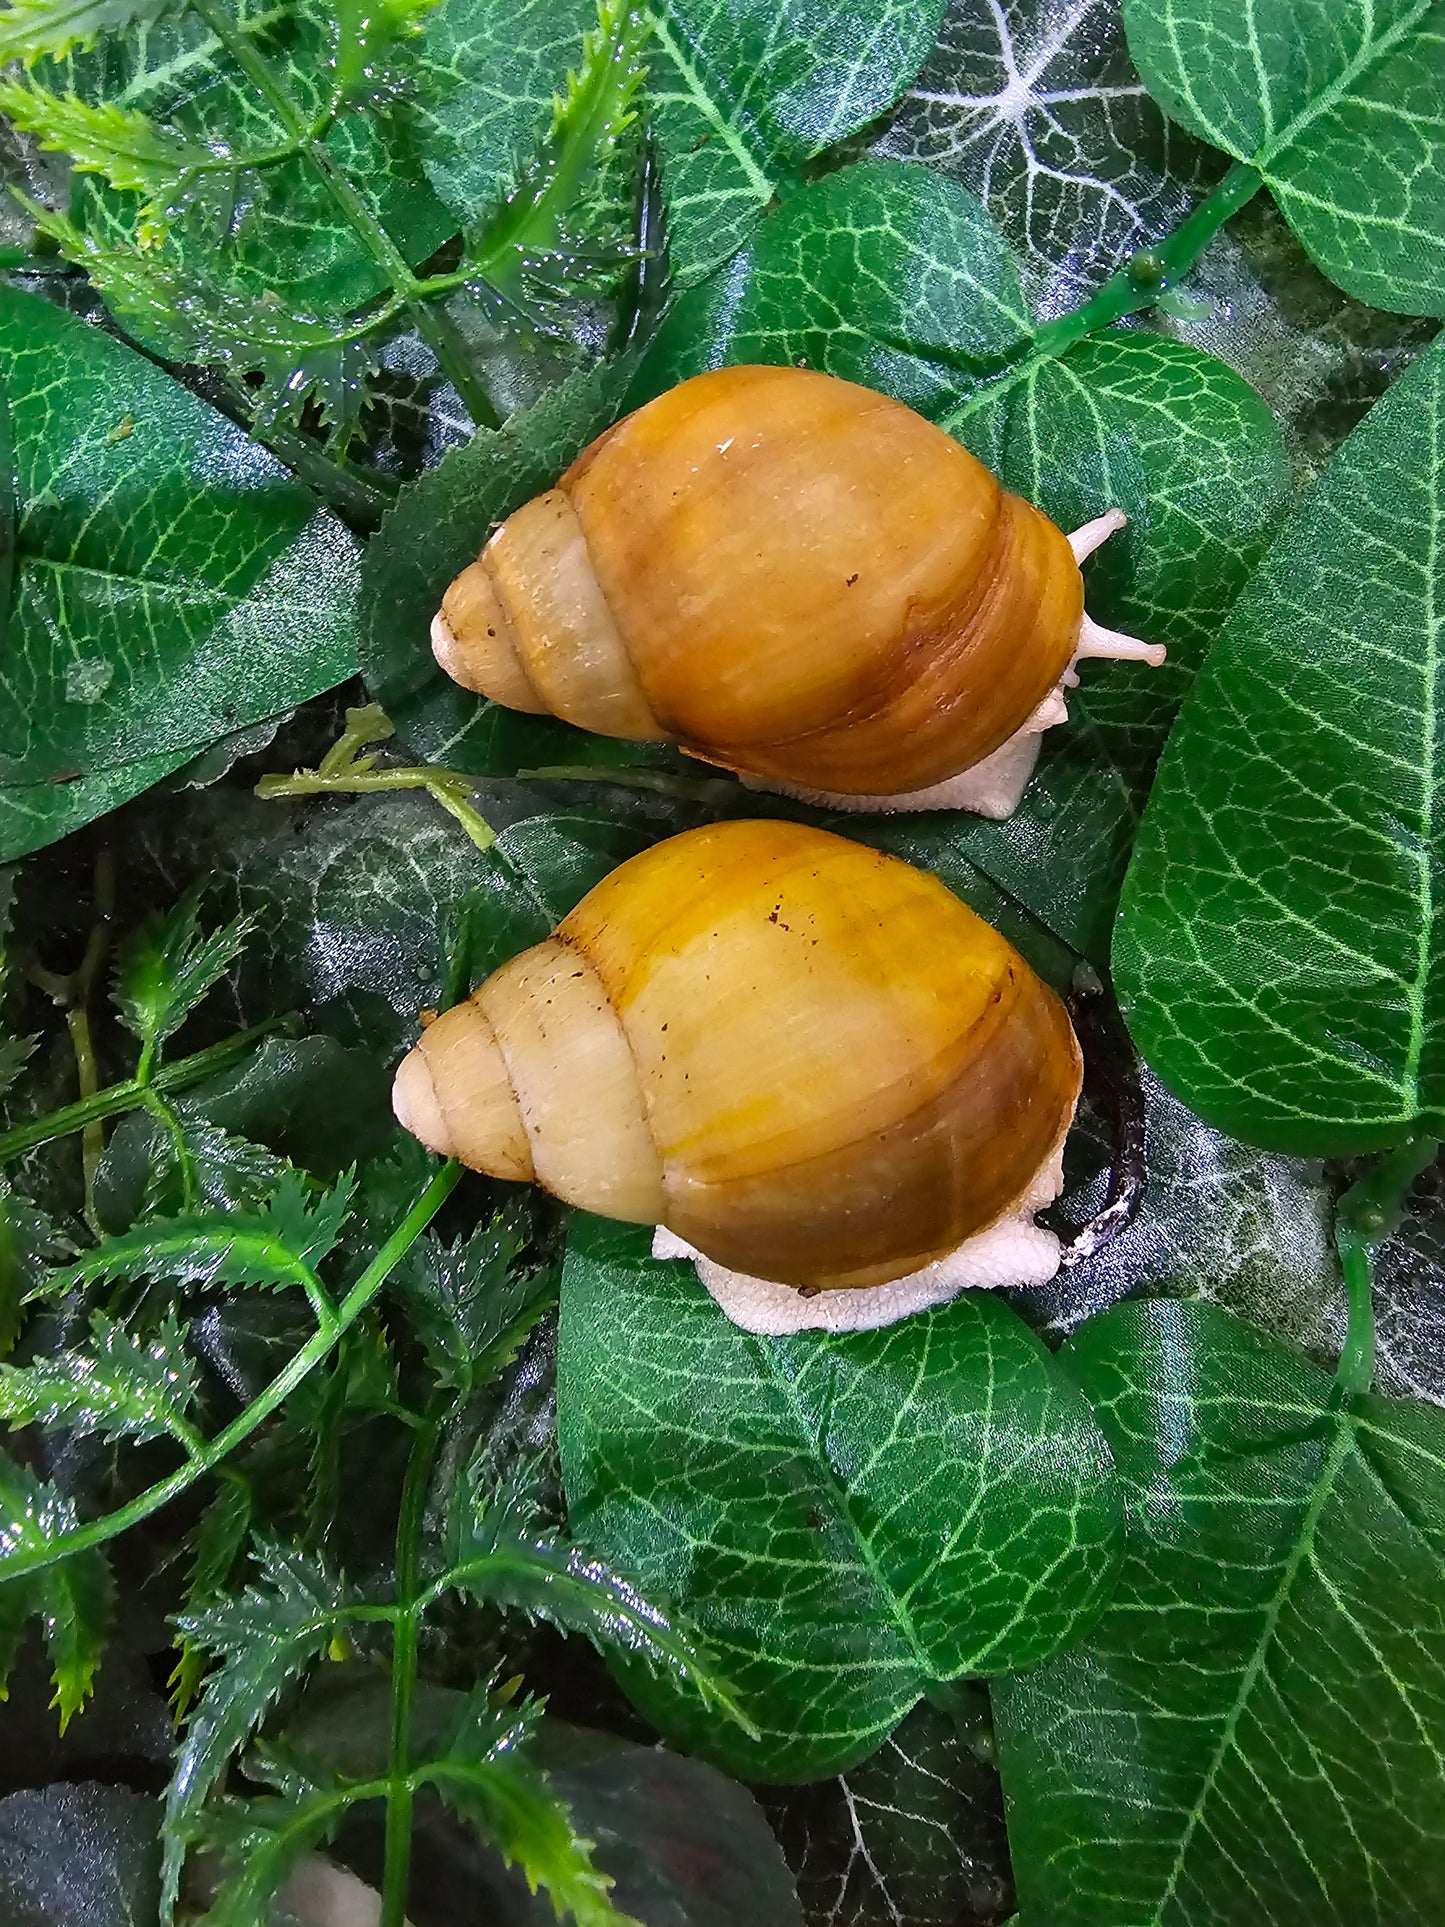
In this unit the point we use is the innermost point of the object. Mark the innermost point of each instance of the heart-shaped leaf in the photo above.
(1039, 111)
(172, 580)
(1278, 945)
(740, 95)
(1340, 107)
(1255, 1729)
(847, 1520)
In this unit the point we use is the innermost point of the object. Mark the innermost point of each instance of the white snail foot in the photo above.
(1014, 1251)
(991, 788)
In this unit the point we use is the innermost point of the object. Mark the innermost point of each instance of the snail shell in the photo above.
(796, 578)
(807, 1060)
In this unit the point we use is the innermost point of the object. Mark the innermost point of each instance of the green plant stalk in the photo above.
(406, 1630)
(438, 328)
(1136, 287)
(131, 1094)
(211, 1454)
(1367, 1213)
(686, 789)
(445, 786)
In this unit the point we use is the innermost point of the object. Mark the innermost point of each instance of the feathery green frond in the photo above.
(124, 1384)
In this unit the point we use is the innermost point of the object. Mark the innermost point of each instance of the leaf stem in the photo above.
(344, 768)
(209, 1455)
(1136, 287)
(439, 330)
(1366, 1215)
(406, 1630)
(131, 1094)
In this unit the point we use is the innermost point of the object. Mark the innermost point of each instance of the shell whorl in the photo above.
(532, 1078)
(528, 625)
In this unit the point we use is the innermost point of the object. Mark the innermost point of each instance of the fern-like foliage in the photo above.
(73, 1597)
(169, 966)
(248, 175)
(473, 1303)
(120, 1385)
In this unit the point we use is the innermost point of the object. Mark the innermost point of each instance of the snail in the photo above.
(798, 579)
(813, 1068)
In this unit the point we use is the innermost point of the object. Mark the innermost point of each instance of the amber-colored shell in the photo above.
(809, 1060)
(791, 576)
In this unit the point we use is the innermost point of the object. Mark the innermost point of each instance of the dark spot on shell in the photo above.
(851, 580)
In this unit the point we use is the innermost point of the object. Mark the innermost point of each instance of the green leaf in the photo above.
(1254, 1731)
(264, 1638)
(437, 527)
(259, 1842)
(1284, 1010)
(913, 1834)
(501, 1551)
(472, 1304)
(124, 1384)
(32, 29)
(1195, 459)
(741, 95)
(535, 872)
(167, 967)
(1339, 108)
(120, 143)
(74, 1598)
(1039, 111)
(216, 1544)
(883, 273)
(486, 1778)
(29, 1241)
(540, 235)
(172, 583)
(277, 1246)
(847, 1520)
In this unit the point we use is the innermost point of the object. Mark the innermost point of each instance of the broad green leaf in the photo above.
(914, 1834)
(308, 1101)
(741, 95)
(173, 580)
(437, 527)
(1284, 1009)
(1255, 1729)
(847, 1520)
(883, 273)
(491, 72)
(1039, 111)
(264, 1638)
(1195, 459)
(535, 872)
(527, 225)
(123, 1384)
(1339, 106)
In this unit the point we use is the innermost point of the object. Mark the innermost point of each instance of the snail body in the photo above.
(808, 1061)
(790, 576)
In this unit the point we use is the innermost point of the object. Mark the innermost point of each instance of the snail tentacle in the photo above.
(1093, 535)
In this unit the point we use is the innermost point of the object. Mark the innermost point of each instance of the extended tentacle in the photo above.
(1094, 638)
